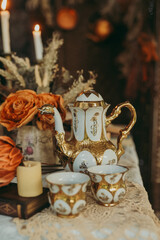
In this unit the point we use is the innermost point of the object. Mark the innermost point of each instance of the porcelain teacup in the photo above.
(67, 192)
(108, 183)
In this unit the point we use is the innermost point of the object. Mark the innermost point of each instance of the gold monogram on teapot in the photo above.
(89, 145)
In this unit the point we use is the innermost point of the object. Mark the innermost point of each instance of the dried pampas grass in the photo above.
(20, 72)
(78, 86)
(11, 73)
(51, 57)
(46, 76)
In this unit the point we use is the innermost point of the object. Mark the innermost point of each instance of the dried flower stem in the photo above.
(37, 76)
(22, 63)
(50, 58)
(12, 70)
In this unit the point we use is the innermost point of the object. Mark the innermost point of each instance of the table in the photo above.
(132, 219)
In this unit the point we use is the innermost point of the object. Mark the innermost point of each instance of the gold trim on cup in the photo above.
(108, 191)
(67, 200)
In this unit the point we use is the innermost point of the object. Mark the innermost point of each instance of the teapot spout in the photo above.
(50, 109)
(62, 145)
(58, 122)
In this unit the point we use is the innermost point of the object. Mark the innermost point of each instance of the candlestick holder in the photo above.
(7, 55)
(39, 62)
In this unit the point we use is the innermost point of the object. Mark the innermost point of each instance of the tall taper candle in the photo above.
(38, 43)
(5, 15)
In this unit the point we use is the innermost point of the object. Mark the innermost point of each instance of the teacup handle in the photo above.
(123, 132)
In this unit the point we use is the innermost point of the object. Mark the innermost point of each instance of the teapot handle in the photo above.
(123, 132)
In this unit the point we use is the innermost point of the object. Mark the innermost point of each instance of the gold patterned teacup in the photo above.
(67, 194)
(108, 183)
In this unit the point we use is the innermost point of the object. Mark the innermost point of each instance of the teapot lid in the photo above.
(89, 98)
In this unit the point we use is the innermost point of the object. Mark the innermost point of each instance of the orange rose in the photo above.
(10, 158)
(46, 121)
(18, 109)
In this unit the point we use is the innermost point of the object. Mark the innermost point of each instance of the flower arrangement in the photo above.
(29, 87)
(10, 158)
(32, 86)
(21, 107)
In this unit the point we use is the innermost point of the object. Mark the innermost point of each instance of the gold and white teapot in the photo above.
(89, 145)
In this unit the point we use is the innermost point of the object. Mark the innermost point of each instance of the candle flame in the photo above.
(4, 4)
(37, 27)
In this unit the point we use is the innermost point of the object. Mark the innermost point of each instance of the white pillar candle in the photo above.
(38, 43)
(5, 15)
(29, 179)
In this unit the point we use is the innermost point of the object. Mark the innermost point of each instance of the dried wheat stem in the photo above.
(37, 76)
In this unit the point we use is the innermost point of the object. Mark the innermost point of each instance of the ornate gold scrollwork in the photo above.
(123, 132)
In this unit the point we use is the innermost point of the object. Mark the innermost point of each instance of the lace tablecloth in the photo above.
(132, 219)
